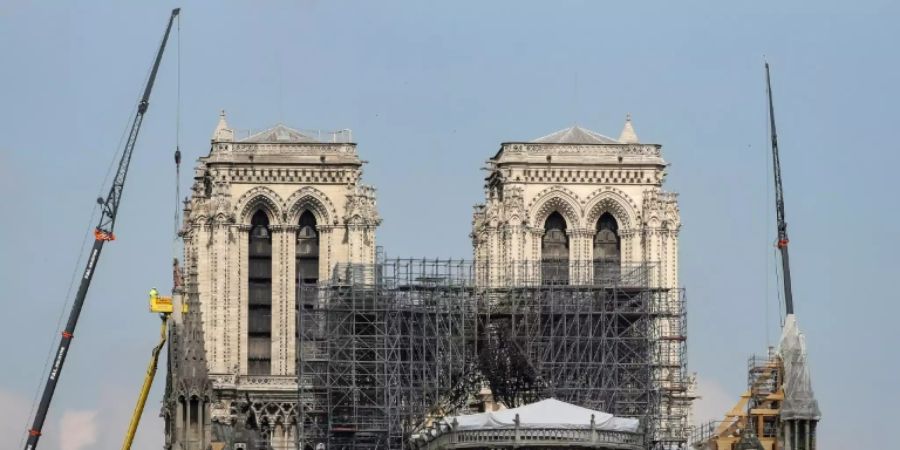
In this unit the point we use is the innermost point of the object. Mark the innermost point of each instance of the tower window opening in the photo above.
(259, 314)
(307, 265)
(607, 250)
(555, 251)
(307, 250)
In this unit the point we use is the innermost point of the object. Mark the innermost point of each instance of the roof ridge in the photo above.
(575, 134)
(272, 135)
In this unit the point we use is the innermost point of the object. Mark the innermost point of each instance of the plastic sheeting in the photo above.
(549, 413)
(799, 400)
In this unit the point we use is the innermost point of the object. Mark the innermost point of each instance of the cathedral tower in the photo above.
(576, 211)
(268, 213)
(574, 205)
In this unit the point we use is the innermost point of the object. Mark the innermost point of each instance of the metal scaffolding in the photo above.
(386, 349)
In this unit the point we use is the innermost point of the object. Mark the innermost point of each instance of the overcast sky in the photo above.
(430, 92)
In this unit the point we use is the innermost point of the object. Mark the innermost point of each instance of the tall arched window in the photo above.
(259, 314)
(607, 249)
(307, 251)
(555, 251)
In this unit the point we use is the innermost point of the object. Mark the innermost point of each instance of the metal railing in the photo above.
(409, 273)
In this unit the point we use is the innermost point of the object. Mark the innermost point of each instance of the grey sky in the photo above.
(430, 91)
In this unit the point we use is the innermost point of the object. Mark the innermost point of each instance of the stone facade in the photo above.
(266, 208)
(580, 175)
(590, 182)
(284, 174)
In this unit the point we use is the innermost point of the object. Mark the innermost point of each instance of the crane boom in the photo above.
(102, 233)
(779, 205)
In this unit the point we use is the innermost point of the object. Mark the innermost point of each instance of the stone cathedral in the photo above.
(281, 210)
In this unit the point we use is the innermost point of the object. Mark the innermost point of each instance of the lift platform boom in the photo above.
(102, 233)
(148, 383)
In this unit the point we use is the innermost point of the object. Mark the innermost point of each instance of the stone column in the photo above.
(514, 269)
(207, 422)
(534, 266)
(282, 282)
(494, 260)
(326, 252)
(243, 304)
(216, 319)
(626, 237)
(287, 312)
(204, 274)
(582, 241)
(574, 252)
(180, 423)
(189, 430)
(236, 278)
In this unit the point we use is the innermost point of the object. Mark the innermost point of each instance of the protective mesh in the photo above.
(799, 400)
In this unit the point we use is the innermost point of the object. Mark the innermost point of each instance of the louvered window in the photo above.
(259, 314)
(307, 250)
(607, 251)
(555, 251)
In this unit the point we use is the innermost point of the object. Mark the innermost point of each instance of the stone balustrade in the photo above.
(447, 437)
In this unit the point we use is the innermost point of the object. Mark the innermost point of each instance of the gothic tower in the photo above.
(580, 202)
(579, 209)
(268, 213)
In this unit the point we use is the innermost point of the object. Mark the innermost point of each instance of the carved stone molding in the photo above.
(260, 197)
(651, 150)
(555, 198)
(313, 200)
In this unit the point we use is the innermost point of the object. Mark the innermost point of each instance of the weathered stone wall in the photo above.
(283, 173)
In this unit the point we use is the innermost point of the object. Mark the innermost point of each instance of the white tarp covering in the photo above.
(549, 413)
(799, 400)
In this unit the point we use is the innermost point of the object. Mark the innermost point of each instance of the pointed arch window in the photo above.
(607, 250)
(307, 250)
(259, 314)
(555, 251)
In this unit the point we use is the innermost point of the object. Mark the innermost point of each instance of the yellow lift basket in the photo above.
(160, 304)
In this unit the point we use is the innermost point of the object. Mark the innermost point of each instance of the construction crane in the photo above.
(782, 242)
(799, 414)
(102, 233)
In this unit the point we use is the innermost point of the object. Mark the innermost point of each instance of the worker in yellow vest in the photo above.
(154, 294)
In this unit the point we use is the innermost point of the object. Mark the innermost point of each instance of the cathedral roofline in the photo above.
(281, 144)
(575, 135)
(280, 134)
(531, 152)
(579, 142)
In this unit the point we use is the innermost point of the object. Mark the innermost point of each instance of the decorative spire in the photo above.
(223, 133)
(628, 135)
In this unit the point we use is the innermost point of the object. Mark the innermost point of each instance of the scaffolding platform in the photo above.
(387, 349)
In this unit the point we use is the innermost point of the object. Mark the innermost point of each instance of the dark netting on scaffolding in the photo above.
(386, 349)
(382, 349)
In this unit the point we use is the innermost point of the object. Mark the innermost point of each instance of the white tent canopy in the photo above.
(549, 413)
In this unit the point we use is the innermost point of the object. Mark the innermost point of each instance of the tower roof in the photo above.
(280, 134)
(575, 135)
(628, 136)
(222, 132)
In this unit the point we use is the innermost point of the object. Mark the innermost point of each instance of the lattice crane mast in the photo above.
(102, 233)
(782, 243)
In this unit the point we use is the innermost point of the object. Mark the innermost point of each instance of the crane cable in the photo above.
(176, 221)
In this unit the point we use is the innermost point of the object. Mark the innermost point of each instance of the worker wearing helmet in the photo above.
(154, 294)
